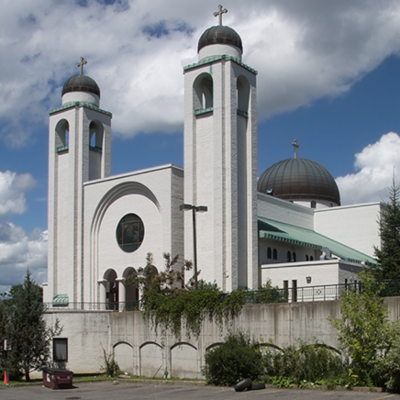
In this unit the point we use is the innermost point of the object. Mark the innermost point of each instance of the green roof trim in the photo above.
(96, 149)
(72, 104)
(275, 230)
(201, 111)
(224, 57)
(60, 300)
(242, 113)
(62, 149)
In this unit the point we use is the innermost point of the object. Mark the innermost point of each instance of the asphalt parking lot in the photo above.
(122, 391)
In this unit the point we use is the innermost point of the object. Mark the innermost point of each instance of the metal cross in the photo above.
(219, 13)
(81, 64)
(296, 146)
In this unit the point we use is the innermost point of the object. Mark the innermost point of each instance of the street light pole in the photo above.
(194, 209)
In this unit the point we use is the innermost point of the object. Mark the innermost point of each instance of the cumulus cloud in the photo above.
(136, 50)
(375, 166)
(12, 189)
(18, 251)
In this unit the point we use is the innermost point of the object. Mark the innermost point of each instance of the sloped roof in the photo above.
(275, 230)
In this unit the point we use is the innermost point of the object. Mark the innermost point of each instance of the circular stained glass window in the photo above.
(130, 233)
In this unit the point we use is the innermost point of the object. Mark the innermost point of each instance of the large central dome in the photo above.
(300, 179)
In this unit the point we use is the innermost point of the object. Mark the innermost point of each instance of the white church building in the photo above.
(287, 226)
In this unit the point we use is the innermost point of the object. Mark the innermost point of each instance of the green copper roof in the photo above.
(60, 300)
(211, 59)
(71, 104)
(270, 229)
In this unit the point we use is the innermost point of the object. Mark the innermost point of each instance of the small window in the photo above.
(294, 290)
(313, 204)
(288, 256)
(286, 289)
(311, 258)
(275, 254)
(294, 257)
(60, 349)
(306, 257)
(269, 252)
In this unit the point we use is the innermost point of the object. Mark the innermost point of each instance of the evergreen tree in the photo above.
(388, 256)
(26, 330)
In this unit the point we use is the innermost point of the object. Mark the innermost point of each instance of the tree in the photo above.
(388, 256)
(364, 328)
(26, 331)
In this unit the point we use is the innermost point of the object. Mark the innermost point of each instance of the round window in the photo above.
(130, 233)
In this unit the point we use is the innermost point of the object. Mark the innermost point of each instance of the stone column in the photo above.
(121, 294)
(102, 290)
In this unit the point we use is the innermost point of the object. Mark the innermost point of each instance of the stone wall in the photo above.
(141, 350)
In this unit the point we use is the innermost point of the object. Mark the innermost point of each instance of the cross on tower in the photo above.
(219, 13)
(296, 146)
(81, 64)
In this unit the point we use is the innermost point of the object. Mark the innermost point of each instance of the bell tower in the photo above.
(79, 151)
(220, 161)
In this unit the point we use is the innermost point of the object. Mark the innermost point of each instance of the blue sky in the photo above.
(328, 77)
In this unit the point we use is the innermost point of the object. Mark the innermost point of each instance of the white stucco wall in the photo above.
(155, 196)
(356, 225)
(285, 211)
(322, 272)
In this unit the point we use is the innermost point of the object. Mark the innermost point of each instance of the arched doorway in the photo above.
(111, 290)
(131, 291)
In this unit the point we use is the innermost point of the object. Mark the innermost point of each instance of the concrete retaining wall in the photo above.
(141, 350)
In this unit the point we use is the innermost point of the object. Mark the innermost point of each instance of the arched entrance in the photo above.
(131, 291)
(111, 290)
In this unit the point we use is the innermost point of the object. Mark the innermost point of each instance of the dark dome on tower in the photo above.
(299, 179)
(81, 83)
(220, 35)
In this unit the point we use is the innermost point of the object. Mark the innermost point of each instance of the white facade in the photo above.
(88, 263)
(220, 158)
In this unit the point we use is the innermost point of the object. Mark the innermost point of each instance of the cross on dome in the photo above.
(219, 13)
(81, 64)
(296, 146)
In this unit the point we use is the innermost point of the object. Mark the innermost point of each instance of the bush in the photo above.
(307, 365)
(238, 358)
(387, 367)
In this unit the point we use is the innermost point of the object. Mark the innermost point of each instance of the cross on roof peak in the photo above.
(296, 146)
(81, 64)
(219, 13)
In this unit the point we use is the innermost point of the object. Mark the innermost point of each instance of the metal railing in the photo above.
(109, 306)
(264, 296)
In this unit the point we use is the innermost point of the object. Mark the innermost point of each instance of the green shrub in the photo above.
(306, 366)
(387, 367)
(238, 358)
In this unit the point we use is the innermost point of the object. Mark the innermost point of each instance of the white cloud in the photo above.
(12, 189)
(374, 174)
(18, 251)
(303, 50)
(17, 256)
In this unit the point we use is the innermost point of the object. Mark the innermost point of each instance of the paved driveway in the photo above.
(129, 391)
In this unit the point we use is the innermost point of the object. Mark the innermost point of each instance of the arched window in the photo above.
(269, 252)
(313, 204)
(275, 254)
(243, 94)
(203, 94)
(288, 256)
(294, 257)
(96, 136)
(311, 258)
(306, 257)
(62, 136)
